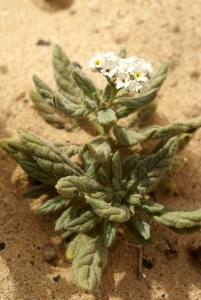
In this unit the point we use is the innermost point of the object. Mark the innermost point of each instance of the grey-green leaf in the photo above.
(44, 90)
(67, 186)
(37, 191)
(137, 102)
(66, 217)
(122, 52)
(109, 232)
(118, 213)
(88, 264)
(150, 207)
(74, 246)
(159, 77)
(98, 149)
(149, 171)
(52, 205)
(48, 157)
(129, 138)
(128, 165)
(142, 227)
(106, 116)
(85, 83)
(138, 237)
(15, 149)
(85, 222)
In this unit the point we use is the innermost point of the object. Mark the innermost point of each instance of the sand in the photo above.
(156, 30)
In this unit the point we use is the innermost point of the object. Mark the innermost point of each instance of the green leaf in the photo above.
(37, 191)
(107, 92)
(67, 186)
(142, 227)
(145, 114)
(52, 205)
(177, 128)
(99, 149)
(68, 150)
(88, 264)
(70, 109)
(128, 164)
(150, 207)
(48, 157)
(15, 149)
(166, 184)
(106, 116)
(149, 171)
(47, 111)
(138, 237)
(66, 217)
(44, 90)
(137, 102)
(177, 163)
(85, 222)
(159, 77)
(180, 218)
(134, 199)
(129, 138)
(85, 83)
(93, 169)
(35, 171)
(63, 69)
(187, 230)
(74, 246)
(124, 111)
(109, 232)
(122, 52)
(118, 213)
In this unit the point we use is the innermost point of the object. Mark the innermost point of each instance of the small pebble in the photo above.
(49, 253)
(56, 278)
(2, 246)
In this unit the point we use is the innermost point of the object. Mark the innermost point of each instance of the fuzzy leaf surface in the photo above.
(106, 210)
(67, 186)
(74, 246)
(66, 217)
(48, 157)
(85, 83)
(35, 171)
(85, 222)
(179, 219)
(109, 233)
(44, 90)
(129, 137)
(99, 149)
(128, 164)
(15, 149)
(138, 237)
(159, 77)
(151, 207)
(186, 230)
(52, 205)
(142, 227)
(89, 263)
(37, 191)
(106, 116)
(137, 102)
(150, 170)
(48, 112)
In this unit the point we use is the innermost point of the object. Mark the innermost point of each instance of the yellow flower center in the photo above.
(97, 62)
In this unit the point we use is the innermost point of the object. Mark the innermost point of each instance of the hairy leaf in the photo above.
(134, 199)
(85, 83)
(159, 76)
(106, 210)
(129, 138)
(151, 207)
(67, 216)
(35, 171)
(122, 52)
(44, 90)
(106, 116)
(52, 205)
(142, 227)
(138, 237)
(37, 191)
(85, 222)
(63, 69)
(124, 111)
(47, 111)
(179, 218)
(74, 246)
(99, 149)
(137, 102)
(15, 149)
(107, 92)
(67, 186)
(128, 165)
(187, 230)
(109, 233)
(88, 264)
(48, 157)
(150, 170)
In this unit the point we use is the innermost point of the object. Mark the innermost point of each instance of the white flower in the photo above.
(135, 86)
(139, 73)
(122, 80)
(109, 68)
(95, 61)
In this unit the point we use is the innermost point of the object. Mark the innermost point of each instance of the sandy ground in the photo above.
(156, 30)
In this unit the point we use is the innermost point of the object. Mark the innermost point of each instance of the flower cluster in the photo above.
(132, 73)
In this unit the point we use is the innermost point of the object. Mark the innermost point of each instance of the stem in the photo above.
(114, 92)
(140, 253)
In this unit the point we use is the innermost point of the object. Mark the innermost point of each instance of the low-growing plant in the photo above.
(107, 185)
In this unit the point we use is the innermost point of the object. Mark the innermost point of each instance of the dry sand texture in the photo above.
(156, 30)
